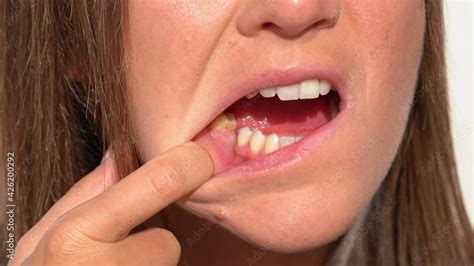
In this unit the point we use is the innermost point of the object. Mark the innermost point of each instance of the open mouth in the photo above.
(268, 121)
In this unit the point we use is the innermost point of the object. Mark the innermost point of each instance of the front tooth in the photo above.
(286, 141)
(243, 137)
(309, 89)
(251, 95)
(288, 93)
(271, 143)
(298, 138)
(257, 140)
(268, 92)
(324, 87)
(225, 121)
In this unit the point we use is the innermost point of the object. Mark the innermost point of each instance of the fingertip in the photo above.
(205, 155)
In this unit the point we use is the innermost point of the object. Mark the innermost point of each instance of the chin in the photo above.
(285, 223)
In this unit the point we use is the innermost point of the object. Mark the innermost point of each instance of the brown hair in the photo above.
(58, 128)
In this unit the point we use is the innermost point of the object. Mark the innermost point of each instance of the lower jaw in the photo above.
(229, 159)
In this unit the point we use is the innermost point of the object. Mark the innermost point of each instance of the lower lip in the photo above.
(288, 155)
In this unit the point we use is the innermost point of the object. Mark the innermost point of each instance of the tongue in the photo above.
(271, 115)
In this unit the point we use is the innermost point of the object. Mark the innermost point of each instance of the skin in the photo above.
(183, 56)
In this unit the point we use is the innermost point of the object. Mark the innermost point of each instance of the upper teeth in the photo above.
(307, 89)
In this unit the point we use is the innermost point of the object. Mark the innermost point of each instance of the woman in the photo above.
(319, 133)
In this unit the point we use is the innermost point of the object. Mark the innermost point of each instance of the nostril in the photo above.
(293, 32)
(321, 24)
(269, 26)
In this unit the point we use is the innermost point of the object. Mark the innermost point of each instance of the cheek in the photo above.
(388, 37)
(167, 47)
(393, 46)
(151, 86)
(390, 34)
(389, 43)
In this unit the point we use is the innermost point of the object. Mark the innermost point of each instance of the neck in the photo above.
(206, 243)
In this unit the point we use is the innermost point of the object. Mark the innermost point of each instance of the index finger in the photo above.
(111, 215)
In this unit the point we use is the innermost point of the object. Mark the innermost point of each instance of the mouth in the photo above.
(272, 125)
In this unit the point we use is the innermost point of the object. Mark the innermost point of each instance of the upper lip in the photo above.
(283, 77)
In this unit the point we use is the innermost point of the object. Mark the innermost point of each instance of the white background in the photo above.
(460, 32)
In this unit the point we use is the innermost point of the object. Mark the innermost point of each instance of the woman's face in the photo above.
(293, 171)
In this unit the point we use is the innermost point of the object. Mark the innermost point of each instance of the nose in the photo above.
(288, 18)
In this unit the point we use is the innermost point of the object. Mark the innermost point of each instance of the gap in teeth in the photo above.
(258, 142)
(307, 89)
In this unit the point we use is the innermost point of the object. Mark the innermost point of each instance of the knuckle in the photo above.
(62, 239)
(65, 243)
(55, 242)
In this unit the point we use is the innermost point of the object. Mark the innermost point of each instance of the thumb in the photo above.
(91, 185)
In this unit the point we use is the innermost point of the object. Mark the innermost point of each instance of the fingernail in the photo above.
(110, 176)
(106, 156)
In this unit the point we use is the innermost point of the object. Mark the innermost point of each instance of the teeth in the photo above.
(268, 92)
(225, 121)
(271, 143)
(286, 141)
(251, 95)
(243, 136)
(324, 87)
(257, 140)
(309, 89)
(288, 93)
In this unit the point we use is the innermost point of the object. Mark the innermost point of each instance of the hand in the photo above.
(90, 225)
